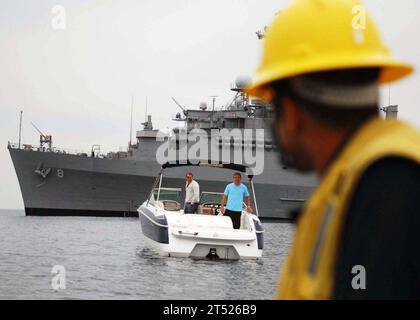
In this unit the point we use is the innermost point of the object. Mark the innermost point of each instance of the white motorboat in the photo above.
(206, 234)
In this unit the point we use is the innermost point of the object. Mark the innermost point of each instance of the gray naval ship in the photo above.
(58, 182)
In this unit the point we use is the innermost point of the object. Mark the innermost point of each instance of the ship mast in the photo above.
(212, 113)
(131, 123)
(20, 127)
(391, 110)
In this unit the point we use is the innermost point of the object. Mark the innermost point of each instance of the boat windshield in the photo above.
(211, 197)
(169, 198)
(173, 194)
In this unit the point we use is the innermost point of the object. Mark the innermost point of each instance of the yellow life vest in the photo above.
(309, 270)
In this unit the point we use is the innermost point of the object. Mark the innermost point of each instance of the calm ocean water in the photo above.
(105, 258)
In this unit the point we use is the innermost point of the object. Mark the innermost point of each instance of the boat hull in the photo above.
(168, 238)
(86, 186)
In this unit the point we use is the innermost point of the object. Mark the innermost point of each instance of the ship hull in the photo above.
(55, 184)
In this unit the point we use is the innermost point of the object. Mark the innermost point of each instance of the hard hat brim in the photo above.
(391, 70)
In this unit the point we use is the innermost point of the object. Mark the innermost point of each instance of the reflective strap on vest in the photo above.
(320, 239)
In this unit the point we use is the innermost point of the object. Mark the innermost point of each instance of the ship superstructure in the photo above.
(54, 181)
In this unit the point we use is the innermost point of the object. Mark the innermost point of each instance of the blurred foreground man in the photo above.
(358, 236)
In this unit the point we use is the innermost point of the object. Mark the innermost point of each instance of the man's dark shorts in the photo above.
(235, 216)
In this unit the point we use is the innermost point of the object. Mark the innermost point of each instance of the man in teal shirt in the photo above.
(235, 194)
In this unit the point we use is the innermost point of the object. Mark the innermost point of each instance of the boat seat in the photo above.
(207, 211)
(171, 205)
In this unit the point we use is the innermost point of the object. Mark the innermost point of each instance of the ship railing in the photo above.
(75, 152)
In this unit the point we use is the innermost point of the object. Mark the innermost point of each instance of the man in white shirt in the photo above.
(192, 194)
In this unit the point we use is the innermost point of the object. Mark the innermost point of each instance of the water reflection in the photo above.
(107, 259)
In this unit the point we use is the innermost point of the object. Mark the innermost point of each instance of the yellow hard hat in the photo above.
(322, 35)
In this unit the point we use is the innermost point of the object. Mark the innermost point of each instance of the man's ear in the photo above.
(290, 114)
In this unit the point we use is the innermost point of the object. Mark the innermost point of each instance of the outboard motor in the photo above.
(212, 255)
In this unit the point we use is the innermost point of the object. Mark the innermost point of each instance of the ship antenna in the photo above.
(212, 114)
(145, 116)
(43, 135)
(131, 122)
(20, 127)
(389, 95)
(179, 105)
(214, 100)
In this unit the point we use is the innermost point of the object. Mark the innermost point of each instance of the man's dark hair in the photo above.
(330, 115)
(237, 174)
(189, 174)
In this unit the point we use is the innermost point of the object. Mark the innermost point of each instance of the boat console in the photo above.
(210, 203)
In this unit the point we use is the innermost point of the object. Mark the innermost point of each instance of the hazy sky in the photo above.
(77, 83)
